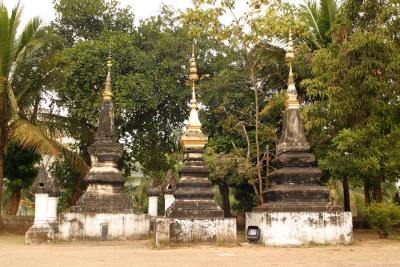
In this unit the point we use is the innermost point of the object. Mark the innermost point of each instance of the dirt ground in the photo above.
(366, 250)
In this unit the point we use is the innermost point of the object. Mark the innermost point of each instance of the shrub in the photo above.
(383, 217)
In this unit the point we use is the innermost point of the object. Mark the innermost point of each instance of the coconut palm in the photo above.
(21, 89)
(320, 18)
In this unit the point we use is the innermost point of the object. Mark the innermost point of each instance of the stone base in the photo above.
(195, 230)
(39, 235)
(103, 226)
(302, 228)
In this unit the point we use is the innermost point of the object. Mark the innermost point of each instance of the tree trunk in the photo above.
(367, 196)
(259, 164)
(13, 203)
(346, 194)
(77, 192)
(378, 190)
(267, 170)
(224, 192)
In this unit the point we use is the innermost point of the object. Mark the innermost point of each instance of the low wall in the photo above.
(302, 228)
(103, 226)
(195, 230)
(15, 224)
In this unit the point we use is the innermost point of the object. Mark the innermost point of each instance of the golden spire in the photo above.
(292, 102)
(107, 94)
(194, 122)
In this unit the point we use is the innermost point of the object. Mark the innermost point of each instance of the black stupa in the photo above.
(104, 193)
(295, 185)
(194, 198)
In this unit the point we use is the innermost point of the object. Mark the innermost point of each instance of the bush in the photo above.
(383, 217)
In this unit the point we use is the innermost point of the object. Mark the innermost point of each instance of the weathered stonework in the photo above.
(302, 228)
(103, 226)
(195, 230)
(194, 197)
(39, 235)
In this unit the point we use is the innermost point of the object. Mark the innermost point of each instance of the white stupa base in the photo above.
(40, 233)
(302, 228)
(195, 230)
(103, 226)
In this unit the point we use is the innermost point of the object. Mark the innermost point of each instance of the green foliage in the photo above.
(149, 87)
(20, 168)
(88, 19)
(25, 73)
(352, 120)
(320, 18)
(135, 188)
(383, 217)
(67, 176)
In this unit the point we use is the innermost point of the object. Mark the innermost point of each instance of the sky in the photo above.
(141, 8)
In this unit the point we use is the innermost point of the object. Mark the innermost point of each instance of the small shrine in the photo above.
(168, 189)
(153, 192)
(42, 231)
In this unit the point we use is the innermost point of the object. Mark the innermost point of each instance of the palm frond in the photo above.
(60, 126)
(30, 136)
(28, 44)
(310, 11)
(327, 16)
(29, 33)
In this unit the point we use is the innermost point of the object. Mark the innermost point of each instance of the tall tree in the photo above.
(19, 95)
(148, 81)
(353, 118)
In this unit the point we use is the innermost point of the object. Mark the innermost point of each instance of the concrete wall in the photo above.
(301, 228)
(15, 224)
(103, 226)
(195, 230)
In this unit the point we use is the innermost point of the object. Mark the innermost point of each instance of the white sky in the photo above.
(141, 8)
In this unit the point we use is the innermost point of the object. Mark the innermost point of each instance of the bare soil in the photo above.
(366, 250)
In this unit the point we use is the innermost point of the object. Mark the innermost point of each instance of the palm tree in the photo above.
(20, 119)
(320, 19)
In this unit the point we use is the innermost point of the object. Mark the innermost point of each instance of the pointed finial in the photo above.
(292, 102)
(107, 94)
(194, 122)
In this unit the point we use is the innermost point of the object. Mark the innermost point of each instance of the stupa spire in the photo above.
(292, 102)
(107, 94)
(105, 129)
(194, 122)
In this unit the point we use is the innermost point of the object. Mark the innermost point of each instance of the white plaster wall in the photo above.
(52, 209)
(41, 210)
(168, 200)
(300, 228)
(153, 205)
(189, 230)
(88, 226)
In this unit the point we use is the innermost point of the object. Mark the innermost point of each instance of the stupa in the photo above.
(41, 231)
(194, 215)
(296, 209)
(104, 211)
